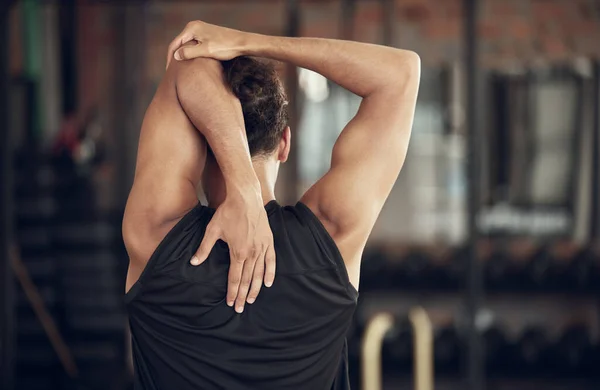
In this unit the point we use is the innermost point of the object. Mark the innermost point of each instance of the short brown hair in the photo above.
(264, 103)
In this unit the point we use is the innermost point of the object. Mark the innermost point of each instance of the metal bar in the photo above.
(422, 330)
(595, 222)
(6, 192)
(474, 363)
(370, 361)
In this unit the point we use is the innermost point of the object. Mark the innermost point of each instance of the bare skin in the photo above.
(192, 106)
(370, 151)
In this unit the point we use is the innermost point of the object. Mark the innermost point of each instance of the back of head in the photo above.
(263, 100)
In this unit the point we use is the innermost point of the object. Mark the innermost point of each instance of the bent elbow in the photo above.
(408, 73)
(410, 65)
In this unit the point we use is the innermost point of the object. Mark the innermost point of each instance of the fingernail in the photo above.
(239, 309)
(177, 56)
(269, 283)
(195, 260)
(229, 303)
(250, 300)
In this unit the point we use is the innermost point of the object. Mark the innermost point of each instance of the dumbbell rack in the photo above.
(73, 252)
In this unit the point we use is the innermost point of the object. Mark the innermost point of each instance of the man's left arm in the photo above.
(241, 220)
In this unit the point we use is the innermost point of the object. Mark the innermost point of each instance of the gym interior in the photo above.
(483, 270)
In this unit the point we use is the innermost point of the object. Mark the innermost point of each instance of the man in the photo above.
(293, 336)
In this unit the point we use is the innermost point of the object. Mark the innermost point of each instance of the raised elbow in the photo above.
(408, 72)
(410, 65)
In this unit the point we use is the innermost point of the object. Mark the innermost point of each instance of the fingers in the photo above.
(257, 278)
(190, 52)
(208, 242)
(270, 265)
(179, 40)
(245, 283)
(235, 275)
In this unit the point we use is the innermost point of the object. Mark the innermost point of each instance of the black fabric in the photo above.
(185, 336)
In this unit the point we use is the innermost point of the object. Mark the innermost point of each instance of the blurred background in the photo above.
(492, 228)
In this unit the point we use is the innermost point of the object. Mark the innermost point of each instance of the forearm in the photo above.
(359, 67)
(217, 114)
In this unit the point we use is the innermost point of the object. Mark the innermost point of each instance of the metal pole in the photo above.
(595, 222)
(6, 192)
(474, 363)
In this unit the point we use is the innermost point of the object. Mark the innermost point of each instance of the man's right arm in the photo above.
(370, 151)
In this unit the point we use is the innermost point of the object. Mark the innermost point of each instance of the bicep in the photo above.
(366, 161)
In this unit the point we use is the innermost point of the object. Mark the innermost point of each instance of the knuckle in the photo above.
(241, 254)
(245, 284)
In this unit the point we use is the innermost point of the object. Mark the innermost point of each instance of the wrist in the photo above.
(245, 184)
(249, 194)
(255, 44)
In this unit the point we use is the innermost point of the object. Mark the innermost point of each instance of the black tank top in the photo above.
(184, 336)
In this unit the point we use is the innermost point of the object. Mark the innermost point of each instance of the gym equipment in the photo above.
(446, 271)
(375, 271)
(582, 273)
(371, 372)
(498, 350)
(423, 349)
(398, 347)
(573, 352)
(543, 270)
(448, 349)
(500, 271)
(413, 271)
(383, 327)
(531, 352)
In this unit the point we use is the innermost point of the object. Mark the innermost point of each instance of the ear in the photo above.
(284, 145)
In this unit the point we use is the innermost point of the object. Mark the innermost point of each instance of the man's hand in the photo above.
(241, 221)
(212, 41)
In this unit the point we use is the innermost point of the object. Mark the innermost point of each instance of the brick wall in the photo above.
(511, 30)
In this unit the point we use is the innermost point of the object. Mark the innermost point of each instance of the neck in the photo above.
(266, 173)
